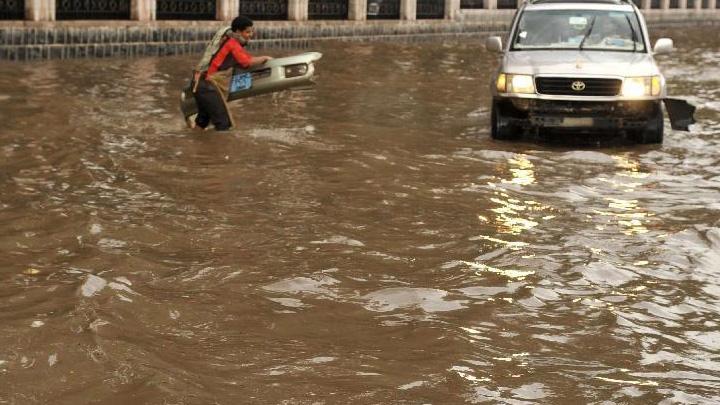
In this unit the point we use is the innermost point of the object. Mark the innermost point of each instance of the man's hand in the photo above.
(259, 60)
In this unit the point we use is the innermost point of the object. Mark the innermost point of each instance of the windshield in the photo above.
(603, 30)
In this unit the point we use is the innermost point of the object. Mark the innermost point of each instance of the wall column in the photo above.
(698, 4)
(408, 10)
(492, 4)
(226, 10)
(298, 10)
(452, 9)
(357, 10)
(682, 4)
(665, 4)
(143, 10)
(645, 4)
(41, 10)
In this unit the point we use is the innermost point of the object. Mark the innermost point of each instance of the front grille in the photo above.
(585, 108)
(577, 86)
(261, 74)
(624, 109)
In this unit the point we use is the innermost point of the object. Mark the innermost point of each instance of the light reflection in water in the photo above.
(631, 167)
(522, 171)
(632, 382)
(509, 273)
(632, 218)
(631, 222)
(466, 373)
(508, 213)
(509, 244)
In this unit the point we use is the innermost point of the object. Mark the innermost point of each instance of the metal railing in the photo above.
(383, 9)
(430, 9)
(185, 9)
(264, 9)
(12, 9)
(92, 9)
(472, 4)
(328, 9)
(507, 4)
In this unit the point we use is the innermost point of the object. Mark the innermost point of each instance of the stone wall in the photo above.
(61, 40)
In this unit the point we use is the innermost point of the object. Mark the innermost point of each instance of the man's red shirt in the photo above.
(230, 53)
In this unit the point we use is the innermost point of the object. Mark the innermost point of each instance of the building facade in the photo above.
(62, 29)
(278, 10)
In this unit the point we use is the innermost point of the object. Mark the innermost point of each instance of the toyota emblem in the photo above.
(578, 85)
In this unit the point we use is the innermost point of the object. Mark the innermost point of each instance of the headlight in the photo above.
(641, 86)
(296, 70)
(508, 83)
(501, 83)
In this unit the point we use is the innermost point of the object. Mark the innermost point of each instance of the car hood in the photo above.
(585, 62)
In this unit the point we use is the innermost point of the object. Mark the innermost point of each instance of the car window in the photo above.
(573, 29)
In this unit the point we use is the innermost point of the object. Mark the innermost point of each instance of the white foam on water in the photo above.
(412, 385)
(120, 287)
(588, 157)
(338, 240)
(298, 285)
(322, 359)
(96, 229)
(123, 280)
(530, 391)
(426, 299)
(288, 302)
(92, 285)
(603, 273)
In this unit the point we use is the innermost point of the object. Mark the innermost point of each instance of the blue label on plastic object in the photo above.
(243, 81)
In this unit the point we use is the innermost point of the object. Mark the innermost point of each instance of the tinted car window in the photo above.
(572, 29)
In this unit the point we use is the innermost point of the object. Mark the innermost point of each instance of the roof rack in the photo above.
(581, 1)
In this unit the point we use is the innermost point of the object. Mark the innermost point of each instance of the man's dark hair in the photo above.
(240, 22)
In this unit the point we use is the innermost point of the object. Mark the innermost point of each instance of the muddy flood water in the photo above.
(363, 241)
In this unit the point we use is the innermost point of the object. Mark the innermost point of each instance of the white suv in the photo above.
(582, 66)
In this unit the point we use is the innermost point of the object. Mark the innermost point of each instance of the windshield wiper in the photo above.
(632, 30)
(587, 33)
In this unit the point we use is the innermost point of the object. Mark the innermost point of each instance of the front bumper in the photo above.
(577, 114)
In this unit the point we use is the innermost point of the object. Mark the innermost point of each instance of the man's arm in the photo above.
(245, 59)
(259, 60)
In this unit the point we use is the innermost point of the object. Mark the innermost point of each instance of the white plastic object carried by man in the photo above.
(275, 75)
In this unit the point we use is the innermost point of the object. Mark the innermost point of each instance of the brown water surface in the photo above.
(364, 241)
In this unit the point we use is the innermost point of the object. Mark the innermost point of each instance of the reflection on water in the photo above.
(363, 241)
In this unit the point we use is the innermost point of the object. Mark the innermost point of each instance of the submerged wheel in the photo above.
(654, 129)
(500, 126)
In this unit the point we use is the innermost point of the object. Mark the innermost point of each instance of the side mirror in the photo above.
(663, 45)
(493, 44)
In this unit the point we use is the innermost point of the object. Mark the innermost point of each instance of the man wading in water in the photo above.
(224, 52)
